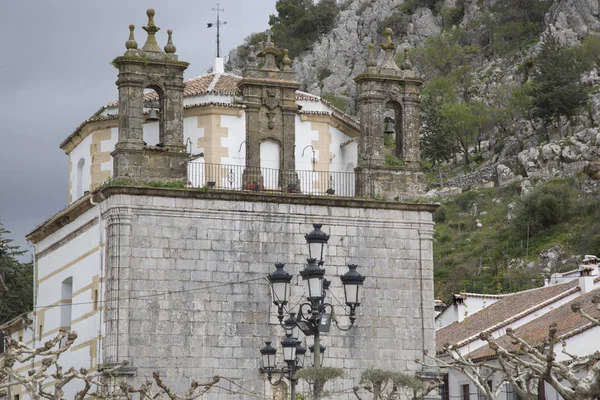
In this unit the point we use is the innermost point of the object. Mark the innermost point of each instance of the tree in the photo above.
(384, 384)
(300, 23)
(317, 377)
(465, 121)
(48, 379)
(556, 90)
(517, 23)
(16, 280)
(438, 143)
(528, 365)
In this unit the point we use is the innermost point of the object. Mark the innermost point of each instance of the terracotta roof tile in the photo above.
(501, 313)
(567, 322)
(227, 84)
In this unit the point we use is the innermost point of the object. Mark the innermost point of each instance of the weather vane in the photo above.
(218, 25)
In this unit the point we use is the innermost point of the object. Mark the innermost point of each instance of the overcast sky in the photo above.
(55, 72)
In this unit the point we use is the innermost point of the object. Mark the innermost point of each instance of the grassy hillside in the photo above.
(497, 255)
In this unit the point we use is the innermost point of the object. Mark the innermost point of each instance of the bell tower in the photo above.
(150, 68)
(397, 90)
(269, 94)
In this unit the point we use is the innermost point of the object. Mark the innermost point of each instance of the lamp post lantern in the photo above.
(313, 316)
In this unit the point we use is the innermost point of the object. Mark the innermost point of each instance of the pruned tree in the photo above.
(527, 366)
(47, 380)
(317, 377)
(385, 385)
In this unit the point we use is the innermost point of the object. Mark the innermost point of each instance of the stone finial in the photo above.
(388, 45)
(287, 63)
(389, 66)
(151, 46)
(131, 44)
(270, 52)
(170, 47)
(371, 63)
(407, 65)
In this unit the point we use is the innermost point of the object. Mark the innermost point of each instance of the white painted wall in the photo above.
(81, 152)
(82, 257)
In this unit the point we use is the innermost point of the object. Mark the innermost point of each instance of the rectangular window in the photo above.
(95, 299)
(17, 397)
(465, 392)
(40, 332)
(443, 389)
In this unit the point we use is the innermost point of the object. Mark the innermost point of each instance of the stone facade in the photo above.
(269, 94)
(384, 86)
(150, 67)
(212, 252)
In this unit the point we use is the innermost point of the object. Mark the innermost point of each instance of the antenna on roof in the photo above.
(218, 25)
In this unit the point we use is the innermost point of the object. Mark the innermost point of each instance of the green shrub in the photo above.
(546, 206)
(465, 200)
(441, 215)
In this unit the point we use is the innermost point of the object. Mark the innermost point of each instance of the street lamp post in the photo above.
(314, 315)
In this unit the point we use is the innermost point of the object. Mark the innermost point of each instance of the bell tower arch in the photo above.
(397, 90)
(160, 70)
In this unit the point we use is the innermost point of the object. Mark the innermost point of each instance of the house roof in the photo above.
(568, 324)
(501, 313)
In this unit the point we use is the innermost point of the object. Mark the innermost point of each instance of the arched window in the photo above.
(79, 179)
(393, 128)
(66, 299)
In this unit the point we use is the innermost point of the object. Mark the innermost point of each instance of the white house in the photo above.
(529, 313)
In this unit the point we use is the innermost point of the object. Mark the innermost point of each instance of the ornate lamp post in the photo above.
(314, 315)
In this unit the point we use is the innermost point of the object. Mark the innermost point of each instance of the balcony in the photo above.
(240, 177)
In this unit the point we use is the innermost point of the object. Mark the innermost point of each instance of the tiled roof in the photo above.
(568, 323)
(502, 313)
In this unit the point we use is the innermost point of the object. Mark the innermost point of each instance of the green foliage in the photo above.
(556, 90)
(445, 52)
(16, 280)
(299, 23)
(517, 23)
(394, 161)
(167, 184)
(381, 381)
(317, 377)
(410, 6)
(440, 215)
(472, 259)
(546, 206)
(337, 101)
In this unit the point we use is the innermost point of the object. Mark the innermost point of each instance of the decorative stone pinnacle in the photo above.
(170, 47)
(407, 66)
(269, 39)
(371, 60)
(151, 46)
(287, 63)
(131, 44)
(388, 45)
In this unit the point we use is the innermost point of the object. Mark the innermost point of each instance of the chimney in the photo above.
(586, 279)
(458, 302)
(219, 66)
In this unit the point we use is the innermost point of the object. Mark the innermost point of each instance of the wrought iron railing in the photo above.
(240, 177)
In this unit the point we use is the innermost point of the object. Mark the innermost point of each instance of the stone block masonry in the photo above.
(187, 293)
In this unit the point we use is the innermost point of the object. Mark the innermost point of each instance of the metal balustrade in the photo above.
(240, 177)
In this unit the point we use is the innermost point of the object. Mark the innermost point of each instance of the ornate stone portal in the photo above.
(150, 67)
(269, 94)
(389, 86)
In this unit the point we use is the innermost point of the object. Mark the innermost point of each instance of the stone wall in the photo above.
(213, 254)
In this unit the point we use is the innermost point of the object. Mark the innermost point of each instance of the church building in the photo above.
(183, 195)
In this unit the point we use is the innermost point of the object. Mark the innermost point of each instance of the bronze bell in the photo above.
(153, 115)
(389, 127)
